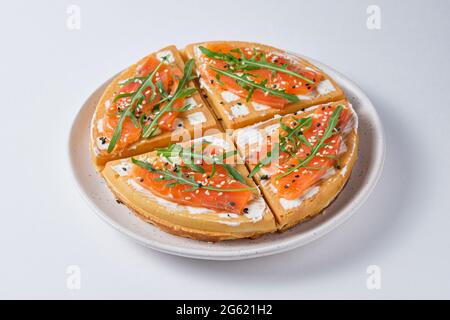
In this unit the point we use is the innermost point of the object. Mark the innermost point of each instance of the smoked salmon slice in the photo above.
(142, 102)
(266, 78)
(308, 147)
(212, 185)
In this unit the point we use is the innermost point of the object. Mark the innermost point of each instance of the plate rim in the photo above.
(295, 241)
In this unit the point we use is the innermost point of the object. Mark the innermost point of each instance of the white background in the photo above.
(47, 71)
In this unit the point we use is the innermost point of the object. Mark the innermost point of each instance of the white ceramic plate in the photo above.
(363, 179)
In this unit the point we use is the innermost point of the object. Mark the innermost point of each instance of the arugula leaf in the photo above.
(136, 99)
(234, 173)
(213, 170)
(185, 108)
(187, 92)
(277, 68)
(145, 165)
(293, 137)
(123, 95)
(187, 154)
(196, 168)
(332, 122)
(175, 150)
(243, 80)
(133, 79)
(304, 141)
(179, 179)
(271, 155)
(148, 130)
(249, 95)
(244, 63)
(161, 89)
(218, 55)
(219, 80)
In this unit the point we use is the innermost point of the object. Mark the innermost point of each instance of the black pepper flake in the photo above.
(118, 201)
(103, 140)
(297, 176)
(286, 186)
(221, 102)
(211, 81)
(318, 125)
(239, 104)
(265, 177)
(205, 96)
(323, 108)
(303, 109)
(232, 203)
(338, 167)
(245, 210)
